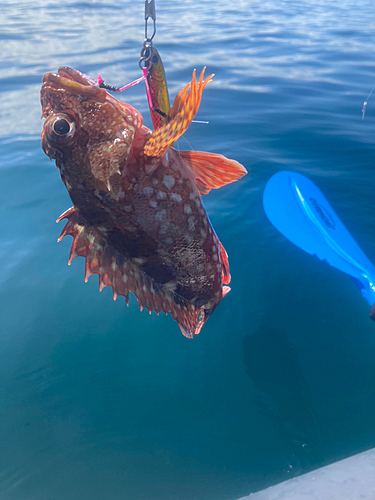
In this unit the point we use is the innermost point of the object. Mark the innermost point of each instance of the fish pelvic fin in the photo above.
(181, 114)
(125, 276)
(212, 171)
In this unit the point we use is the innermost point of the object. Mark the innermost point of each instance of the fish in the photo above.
(157, 82)
(137, 217)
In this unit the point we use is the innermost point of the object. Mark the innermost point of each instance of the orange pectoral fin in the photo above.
(212, 171)
(185, 107)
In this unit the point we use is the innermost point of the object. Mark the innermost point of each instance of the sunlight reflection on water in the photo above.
(99, 399)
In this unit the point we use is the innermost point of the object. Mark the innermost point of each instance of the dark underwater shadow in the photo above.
(282, 394)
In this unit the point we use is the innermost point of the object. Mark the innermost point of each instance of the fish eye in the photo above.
(155, 59)
(60, 129)
(61, 126)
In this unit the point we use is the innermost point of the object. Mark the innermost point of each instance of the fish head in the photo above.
(87, 131)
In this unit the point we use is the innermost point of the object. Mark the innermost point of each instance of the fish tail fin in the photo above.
(181, 114)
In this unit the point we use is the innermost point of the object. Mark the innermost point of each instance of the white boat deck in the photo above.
(349, 479)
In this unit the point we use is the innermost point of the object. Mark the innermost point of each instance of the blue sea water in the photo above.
(99, 401)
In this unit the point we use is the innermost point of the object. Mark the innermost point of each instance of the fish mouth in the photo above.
(76, 76)
(75, 82)
(83, 86)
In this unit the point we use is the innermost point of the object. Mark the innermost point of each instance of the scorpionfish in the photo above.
(137, 216)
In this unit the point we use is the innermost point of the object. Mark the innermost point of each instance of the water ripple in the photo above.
(98, 399)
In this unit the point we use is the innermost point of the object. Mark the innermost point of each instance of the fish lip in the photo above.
(71, 80)
(76, 76)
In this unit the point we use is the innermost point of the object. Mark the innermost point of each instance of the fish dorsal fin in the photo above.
(124, 275)
(212, 171)
(181, 114)
(225, 273)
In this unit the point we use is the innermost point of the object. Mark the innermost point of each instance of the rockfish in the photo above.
(137, 215)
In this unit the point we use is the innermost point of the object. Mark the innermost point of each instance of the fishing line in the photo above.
(190, 146)
(366, 101)
(146, 62)
(103, 85)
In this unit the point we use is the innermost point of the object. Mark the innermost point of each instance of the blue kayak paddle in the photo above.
(299, 210)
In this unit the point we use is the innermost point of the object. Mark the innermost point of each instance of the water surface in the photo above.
(101, 401)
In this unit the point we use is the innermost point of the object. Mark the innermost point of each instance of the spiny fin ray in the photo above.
(123, 275)
(224, 265)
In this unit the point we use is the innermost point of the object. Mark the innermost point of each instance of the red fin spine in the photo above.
(124, 276)
(224, 265)
(66, 214)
